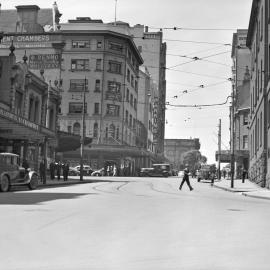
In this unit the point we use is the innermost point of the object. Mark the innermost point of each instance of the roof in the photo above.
(9, 17)
(9, 154)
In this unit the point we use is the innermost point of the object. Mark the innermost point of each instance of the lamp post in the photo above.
(83, 132)
(232, 141)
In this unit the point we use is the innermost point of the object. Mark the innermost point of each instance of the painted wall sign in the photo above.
(44, 61)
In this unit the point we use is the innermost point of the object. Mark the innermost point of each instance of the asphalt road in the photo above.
(133, 223)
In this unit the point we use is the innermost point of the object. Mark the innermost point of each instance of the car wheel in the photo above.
(4, 184)
(33, 182)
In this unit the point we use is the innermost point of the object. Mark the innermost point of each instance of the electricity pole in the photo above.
(83, 131)
(219, 148)
(232, 140)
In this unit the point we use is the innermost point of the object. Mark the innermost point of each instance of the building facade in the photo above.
(258, 43)
(176, 148)
(241, 101)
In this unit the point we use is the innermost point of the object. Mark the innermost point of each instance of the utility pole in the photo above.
(232, 141)
(219, 148)
(83, 131)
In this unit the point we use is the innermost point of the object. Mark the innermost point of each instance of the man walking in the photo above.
(186, 179)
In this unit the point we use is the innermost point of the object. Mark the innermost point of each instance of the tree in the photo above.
(194, 159)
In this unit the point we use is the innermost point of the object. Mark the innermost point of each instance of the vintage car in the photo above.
(162, 170)
(12, 174)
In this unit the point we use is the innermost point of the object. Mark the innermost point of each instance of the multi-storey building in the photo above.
(258, 42)
(176, 148)
(240, 93)
(28, 112)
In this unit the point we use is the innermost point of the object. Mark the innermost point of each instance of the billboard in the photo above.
(44, 61)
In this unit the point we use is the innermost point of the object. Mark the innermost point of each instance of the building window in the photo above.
(130, 120)
(136, 86)
(115, 46)
(77, 128)
(36, 114)
(95, 133)
(127, 95)
(117, 133)
(114, 67)
(31, 109)
(106, 132)
(135, 104)
(98, 64)
(99, 44)
(128, 75)
(80, 44)
(112, 130)
(114, 87)
(97, 86)
(78, 85)
(245, 119)
(96, 108)
(112, 110)
(245, 142)
(131, 99)
(77, 107)
(79, 64)
(18, 103)
(126, 117)
(132, 80)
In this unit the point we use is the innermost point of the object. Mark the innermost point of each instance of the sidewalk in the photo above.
(248, 188)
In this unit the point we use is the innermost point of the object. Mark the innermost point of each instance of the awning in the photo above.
(70, 142)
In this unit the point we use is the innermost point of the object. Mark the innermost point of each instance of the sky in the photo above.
(205, 30)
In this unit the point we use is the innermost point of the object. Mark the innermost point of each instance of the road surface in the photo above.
(133, 223)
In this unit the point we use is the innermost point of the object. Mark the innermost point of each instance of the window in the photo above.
(130, 120)
(126, 117)
(245, 142)
(31, 109)
(115, 46)
(127, 95)
(95, 133)
(99, 44)
(98, 64)
(78, 85)
(117, 133)
(128, 75)
(114, 87)
(18, 103)
(77, 107)
(112, 110)
(80, 44)
(80, 64)
(97, 86)
(261, 129)
(77, 128)
(112, 130)
(132, 80)
(96, 108)
(136, 86)
(114, 67)
(36, 113)
(106, 132)
(131, 99)
(135, 104)
(245, 119)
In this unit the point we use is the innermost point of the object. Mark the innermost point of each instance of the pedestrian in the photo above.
(42, 171)
(52, 170)
(114, 170)
(186, 179)
(244, 173)
(65, 171)
(58, 170)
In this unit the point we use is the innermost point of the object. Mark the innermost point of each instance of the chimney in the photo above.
(27, 18)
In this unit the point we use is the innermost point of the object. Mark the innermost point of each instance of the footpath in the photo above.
(247, 188)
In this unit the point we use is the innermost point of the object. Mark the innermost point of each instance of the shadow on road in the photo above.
(29, 198)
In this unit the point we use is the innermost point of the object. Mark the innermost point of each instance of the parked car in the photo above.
(12, 174)
(86, 169)
(162, 170)
(99, 172)
(73, 171)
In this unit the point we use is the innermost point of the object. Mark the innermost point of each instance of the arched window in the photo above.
(112, 130)
(95, 133)
(77, 128)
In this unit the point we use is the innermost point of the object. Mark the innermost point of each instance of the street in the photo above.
(133, 223)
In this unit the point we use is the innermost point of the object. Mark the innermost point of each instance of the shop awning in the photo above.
(70, 142)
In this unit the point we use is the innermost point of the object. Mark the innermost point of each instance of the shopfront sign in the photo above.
(44, 61)
(18, 119)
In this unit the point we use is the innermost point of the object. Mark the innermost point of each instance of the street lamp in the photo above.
(83, 132)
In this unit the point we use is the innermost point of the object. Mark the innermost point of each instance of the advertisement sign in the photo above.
(44, 61)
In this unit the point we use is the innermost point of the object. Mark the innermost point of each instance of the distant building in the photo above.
(175, 149)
